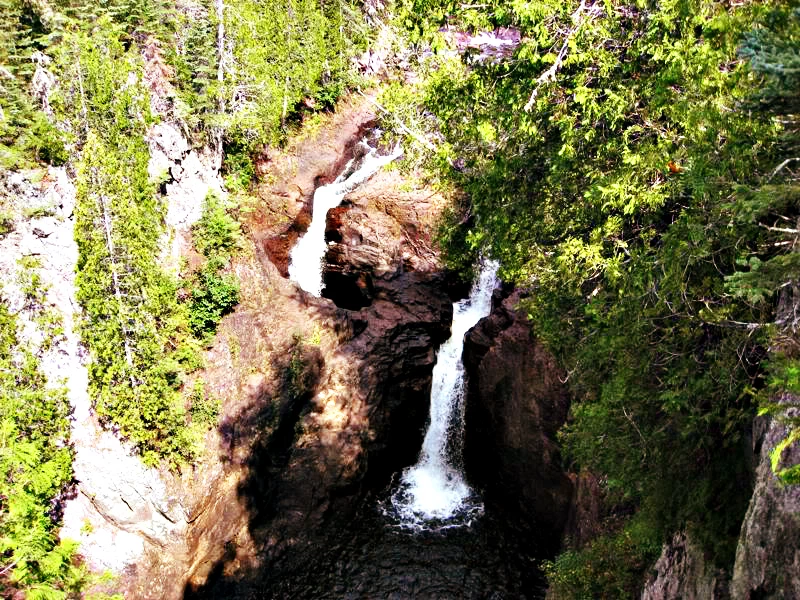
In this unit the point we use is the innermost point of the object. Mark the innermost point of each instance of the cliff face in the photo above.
(515, 403)
(767, 561)
(323, 404)
(683, 572)
(768, 554)
(118, 508)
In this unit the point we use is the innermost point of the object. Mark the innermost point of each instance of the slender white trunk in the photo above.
(220, 6)
(107, 226)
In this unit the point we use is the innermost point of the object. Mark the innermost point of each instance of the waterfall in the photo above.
(306, 258)
(434, 491)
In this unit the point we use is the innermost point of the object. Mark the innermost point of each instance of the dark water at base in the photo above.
(373, 559)
(370, 559)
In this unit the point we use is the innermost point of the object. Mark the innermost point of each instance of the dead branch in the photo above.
(426, 143)
(579, 18)
(781, 166)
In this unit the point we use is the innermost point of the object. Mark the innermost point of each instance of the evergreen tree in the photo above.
(36, 467)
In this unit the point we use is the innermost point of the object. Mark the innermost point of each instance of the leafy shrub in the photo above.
(213, 296)
(216, 234)
(611, 566)
(205, 409)
(46, 142)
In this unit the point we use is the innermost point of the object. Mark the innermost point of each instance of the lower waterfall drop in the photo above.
(433, 493)
(305, 259)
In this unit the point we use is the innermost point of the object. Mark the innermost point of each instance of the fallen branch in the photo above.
(781, 166)
(426, 143)
(780, 229)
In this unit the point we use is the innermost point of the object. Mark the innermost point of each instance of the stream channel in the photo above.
(427, 534)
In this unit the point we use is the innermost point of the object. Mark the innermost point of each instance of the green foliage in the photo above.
(36, 464)
(205, 409)
(213, 296)
(136, 18)
(642, 190)
(283, 54)
(216, 235)
(194, 59)
(609, 567)
(132, 323)
(45, 316)
(25, 134)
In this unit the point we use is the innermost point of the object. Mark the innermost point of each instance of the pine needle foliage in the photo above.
(284, 54)
(214, 294)
(132, 323)
(26, 135)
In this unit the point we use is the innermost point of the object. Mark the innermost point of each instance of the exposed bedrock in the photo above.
(515, 403)
(768, 553)
(767, 564)
(376, 235)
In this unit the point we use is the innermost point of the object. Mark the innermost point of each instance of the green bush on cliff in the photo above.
(610, 566)
(214, 294)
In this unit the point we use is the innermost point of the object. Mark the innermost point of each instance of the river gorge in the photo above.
(386, 432)
(334, 507)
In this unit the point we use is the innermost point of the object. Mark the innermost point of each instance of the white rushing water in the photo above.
(305, 259)
(434, 489)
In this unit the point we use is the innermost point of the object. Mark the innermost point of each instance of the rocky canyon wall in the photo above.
(516, 401)
(323, 404)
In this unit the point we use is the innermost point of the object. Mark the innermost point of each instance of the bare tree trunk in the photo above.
(115, 276)
(285, 101)
(220, 6)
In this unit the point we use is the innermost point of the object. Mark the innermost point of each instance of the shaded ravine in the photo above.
(320, 444)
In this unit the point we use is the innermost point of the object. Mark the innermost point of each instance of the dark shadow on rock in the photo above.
(329, 435)
(268, 429)
(516, 402)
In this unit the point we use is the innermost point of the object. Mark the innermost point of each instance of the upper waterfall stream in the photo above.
(306, 258)
(434, 491)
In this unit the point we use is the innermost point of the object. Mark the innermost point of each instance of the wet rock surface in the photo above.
(297, 172)
(331, 403)
(344, 415)
(377, 233)
(515, 403)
